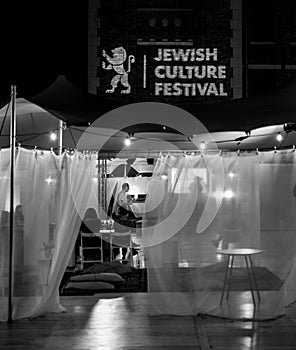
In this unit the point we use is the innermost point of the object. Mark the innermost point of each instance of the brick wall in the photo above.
(161, 24)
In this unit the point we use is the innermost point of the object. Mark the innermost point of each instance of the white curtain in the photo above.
(278, 220)
(51, 194)
(213, 202)
(196, 205)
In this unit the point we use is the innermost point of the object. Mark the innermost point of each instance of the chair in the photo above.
(86, 245)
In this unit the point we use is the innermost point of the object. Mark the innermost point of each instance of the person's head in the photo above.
(19, 211)
(125, 187)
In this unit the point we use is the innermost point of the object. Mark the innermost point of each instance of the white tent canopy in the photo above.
(34, 125)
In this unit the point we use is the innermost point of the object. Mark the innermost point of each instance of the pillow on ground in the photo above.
(104, 276)
(97, 268)
(108, 277)
(119, 268)
(113, 266)
(97, 285)
(83, 278)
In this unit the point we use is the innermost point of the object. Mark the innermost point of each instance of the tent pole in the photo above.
(11, 217)
(60, 137)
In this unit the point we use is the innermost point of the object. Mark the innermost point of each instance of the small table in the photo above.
(247, 253)
(111, 235)
(122, 240)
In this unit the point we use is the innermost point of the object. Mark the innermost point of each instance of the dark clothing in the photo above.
(124, 220)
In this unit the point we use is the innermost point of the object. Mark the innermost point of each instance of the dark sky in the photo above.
(39, 41)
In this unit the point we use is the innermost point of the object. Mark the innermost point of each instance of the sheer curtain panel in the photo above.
(50, 193)
(212, 203)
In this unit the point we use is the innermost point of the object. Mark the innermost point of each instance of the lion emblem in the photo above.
(117, 63)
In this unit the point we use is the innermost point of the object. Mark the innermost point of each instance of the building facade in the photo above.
(270, 43)
(194, 51)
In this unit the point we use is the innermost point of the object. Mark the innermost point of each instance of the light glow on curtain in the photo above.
(51, 199)
(253, 207)
(192, 210)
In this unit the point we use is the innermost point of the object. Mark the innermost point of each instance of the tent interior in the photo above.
(194, 205)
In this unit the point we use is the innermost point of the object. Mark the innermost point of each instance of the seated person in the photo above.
(123, 213)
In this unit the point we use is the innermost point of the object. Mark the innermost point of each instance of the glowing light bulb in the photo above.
(49, 180)
(127, 141)
(228, 194)
(53, 136)
(279, 137)
(202, 145)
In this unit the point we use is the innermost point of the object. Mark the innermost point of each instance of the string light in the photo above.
(279, 137)
(288, 127)
(49, 180)
(53, 136)
(228, 194)
(127, 141)
(202, 145)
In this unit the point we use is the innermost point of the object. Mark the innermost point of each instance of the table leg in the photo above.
(230, 273)
(225, 279)
(254, 277)
(111, 248)
(250, 279)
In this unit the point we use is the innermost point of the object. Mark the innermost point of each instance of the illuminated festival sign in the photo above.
(164, 72)
(188, 72)
(116, 64)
